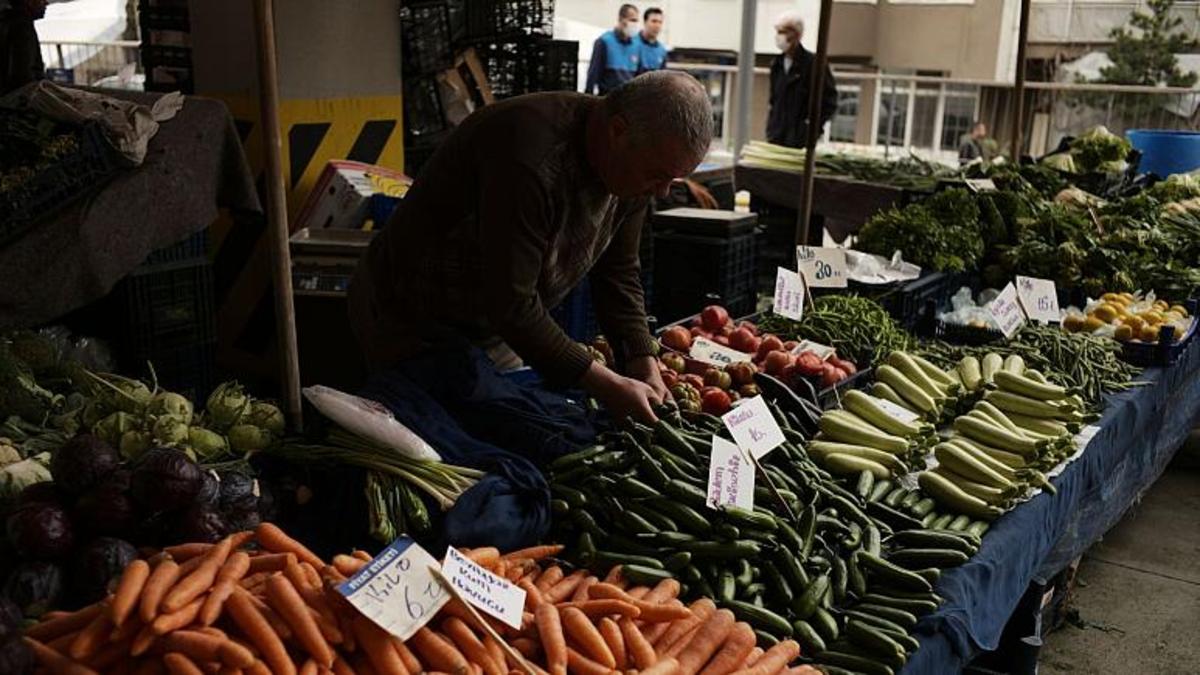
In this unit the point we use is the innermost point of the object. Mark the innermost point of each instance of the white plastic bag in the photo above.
(370, 420)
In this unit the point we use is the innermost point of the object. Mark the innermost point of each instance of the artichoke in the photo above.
(169, 430)
(266, 416)
(168, 403)
(205, 444)
(247, 438)
(134, 443)
(226, 405)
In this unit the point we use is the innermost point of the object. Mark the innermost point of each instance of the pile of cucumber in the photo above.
(843, 566)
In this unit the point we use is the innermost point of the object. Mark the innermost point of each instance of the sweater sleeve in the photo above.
(514, 231)
(617, 289)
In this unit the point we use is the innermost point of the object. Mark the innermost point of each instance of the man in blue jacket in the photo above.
(616, 56)
(653, 51)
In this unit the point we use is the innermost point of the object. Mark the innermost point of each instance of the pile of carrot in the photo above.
(260, 602)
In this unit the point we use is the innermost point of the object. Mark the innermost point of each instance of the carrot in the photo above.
(181, 552)
(667, 589)
(517, 568)
(775, 659)
(309, 668)
(578, 664)
(62, 643)
(667, 666)
(437, 652)
(484, 556)
(581, 591)
(143, 641)
(340, 667)
(193, 585)
(565, 588)
(554, 643)
(547, 579)
(328, 626)
(277, 624)
(376, 643)
(638, 592)
(704, 644)
(533, 596)
(641, 652)
(730, 656)
(271, 562)
(283, 598)
(584, 635)
(150, 667)
(470, 645)
(204, 647)
(647, 611)
(260, 668)
(526, 647)
(361, 555)
(681, 644)
(752, 658)
(231, 573)
(180, 664)
(701, 609)
(129, 589)
(311, 573)
(654, 631)
(598, 608)
(256, 628)
(411, 663)
(91, 637)
(348, 565)
(162, 578)
(54, 662)
(535, 552)
(614, 577)
(611, 632)
(126, 631)
(109, 655)
(165, 623)
(494, 650)
(276, 540)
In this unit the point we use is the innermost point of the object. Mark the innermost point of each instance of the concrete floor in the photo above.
(1138, 597)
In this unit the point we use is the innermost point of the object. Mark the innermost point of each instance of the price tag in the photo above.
(789, 294)
(481, 588)
(753, 427)
(896, 412)
(981, 185)
(823, 352)
(822, 267)
(1006, 310)
(707, 351)
(730, 476)
(396, 590)
(1039, 299)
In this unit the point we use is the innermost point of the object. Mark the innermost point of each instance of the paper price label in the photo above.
(707, 351)
(981, 185)
(1039, 299)
(1006, 310)
(896, 412)
(730, 476)
(823, 352)
(396, 590)
(753, 427)
(490, 593)
(822, 267)
(789, 294)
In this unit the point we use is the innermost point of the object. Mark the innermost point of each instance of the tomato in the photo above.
(740, 373)
(726, 329)
(809, 364)
(677, 338)
(722, 340)
(717, 378)
(670, 378)
(755, 343)
(716, 402)
(769, 344)
(748, 326)
(714, 317)
(674, 361)
(695, 323)
(742, 340)
(695, 381)
(749, 390)
(776, 362)
(790, 345)
(831, 375)
(847, 367)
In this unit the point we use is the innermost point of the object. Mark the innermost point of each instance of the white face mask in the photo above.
(782, 42)
(629, 30)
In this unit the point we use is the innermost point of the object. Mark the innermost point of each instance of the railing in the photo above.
(113, 65)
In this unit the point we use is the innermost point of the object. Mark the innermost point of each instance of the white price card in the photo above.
(753, 427)
(789, 294)
(707, 351)
(494, 595)
(822, 267)
(823, 352)
(1006, 310)
(396, 590)
(981, 185)
(730, 476)
(896, 412)
(1039, 299)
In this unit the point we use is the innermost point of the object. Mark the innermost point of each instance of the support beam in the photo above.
(1018, 121)
(815, 93)
(745, 76)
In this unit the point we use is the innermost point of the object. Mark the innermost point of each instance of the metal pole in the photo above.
(277, 219)
(1018, 123)
(814, 121)
(745, 76)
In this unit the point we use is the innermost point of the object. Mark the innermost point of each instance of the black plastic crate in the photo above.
(189, 369)
(163, 17)
(672, 310)
(424, 115)
(425, 39)
(1164, 352)
(163, 55)
(503, 19)
(166, 307)
(191, 249)
(74, 175)
(555, 65)
(417, 151)
(689, 269)
(706, 222)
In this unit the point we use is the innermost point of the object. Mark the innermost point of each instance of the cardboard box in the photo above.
(342, 197)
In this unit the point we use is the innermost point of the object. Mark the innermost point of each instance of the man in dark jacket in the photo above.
(791, 86)
(20, 53)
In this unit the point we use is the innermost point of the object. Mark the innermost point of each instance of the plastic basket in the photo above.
(423, 112)
(500, 19)
(907, 302)
(555, 65)
(163, 17)
(1164, 352)
(162, 55)
(167, 307)
(705, 222)
(189, 369)
(191, 249)
(425, 40)
(690, 271)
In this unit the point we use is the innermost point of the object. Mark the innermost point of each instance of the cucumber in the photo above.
(882, 487)
(677, 561)
(673, 538)
(765, 639)
(969, 373)
(893, 575)
(866, 408)
(952, 496)
(940, 522)
(991, 363)
(874, 641)
(633, 523)
(854, 662)
(689, 519)
(762, 619)
(755, 519)
(910, 499)
(977, 528)
(826, 625)
(632, 487)
(847, 465)
(727, 531)
(914, 607)
(575, 459)
(791, 569)
(644, 576)
(840, 579)
(929, 539)
(781, 590)
(808, 637)
(866, 481)
(608, 559)
(846, 427)
(559, 507)
(726, 587)
(930, 574)
(872, 539)
(687, 493)
(893, 498)
(918, 558)
(744, 574)
(897, 520)
(723, 550)
(923, 507)
(856, 581)
(959, 524)
(807, 602)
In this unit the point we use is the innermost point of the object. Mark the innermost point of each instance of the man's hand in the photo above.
(645, 368)
(621, 396)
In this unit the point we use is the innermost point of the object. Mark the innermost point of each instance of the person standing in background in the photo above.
(615, 55)
(791, 86)
(653, 52)
(976, 146)
(20, 51)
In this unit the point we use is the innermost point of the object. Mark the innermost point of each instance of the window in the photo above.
(893, 112)
(845, 120)
(957, 118)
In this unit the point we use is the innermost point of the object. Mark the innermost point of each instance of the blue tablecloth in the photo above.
(1140, 431)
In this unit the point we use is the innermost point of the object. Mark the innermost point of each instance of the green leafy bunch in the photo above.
(941, 233)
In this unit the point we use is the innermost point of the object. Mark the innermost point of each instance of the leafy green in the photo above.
(941, 233)
(1096, 148)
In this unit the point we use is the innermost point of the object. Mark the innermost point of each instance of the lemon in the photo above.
(1105, 312)
(1111, 297)
(1128, 297)
(1072, 323)
(1152, 317)
(1179, 309)
(1149, 334)
(1124, 333)
(1093, 324)
(1134, 322)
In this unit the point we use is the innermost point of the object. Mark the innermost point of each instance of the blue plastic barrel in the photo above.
(1166, 152)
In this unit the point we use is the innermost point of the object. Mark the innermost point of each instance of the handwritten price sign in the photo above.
(1006, 310)
(707, 351)
(1039, 299)
(396, 590)
(789, 294)
(822, 267)
(753, 427)
(492, 594)
(730, 476)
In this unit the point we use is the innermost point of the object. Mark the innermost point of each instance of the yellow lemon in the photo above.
(1179, 309)
(1134, 322)
(1124, 333)
(1073, 323)
(1111, 297)
(1127, 297)
(1149, 334)
(1153, 318)
(1105, 313)
(1093, 324)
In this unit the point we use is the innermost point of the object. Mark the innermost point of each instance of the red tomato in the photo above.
(697, 331)
(674, 361)
(715, 402)
(776, 362)
(748, 326)
(790, 345)
(742, 340)
(769, 344)
(677, 338)
(808, 363)
(741, 373)
(670, 378)
(694, 380)
(714, 317)
(831, 375)
(846, 366)
(721, 340)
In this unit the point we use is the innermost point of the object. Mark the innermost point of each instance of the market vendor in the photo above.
(523, 200)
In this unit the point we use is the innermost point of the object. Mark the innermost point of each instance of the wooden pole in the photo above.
(277, 218)
(814, 121)
(1018, 121)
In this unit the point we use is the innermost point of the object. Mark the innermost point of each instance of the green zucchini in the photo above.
(923, 507)
(848, 465)
(964, 463)
(991, 434)
(912, 394)
(991, 363)
(1014, 364)
(866, 481)
(941, 377)
(959, 524)
(969, 373)
(909, 368)
(885, 392)
(866, 408)
(846, 427)
(880, 490)
(893, 498)
(1030, 407)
